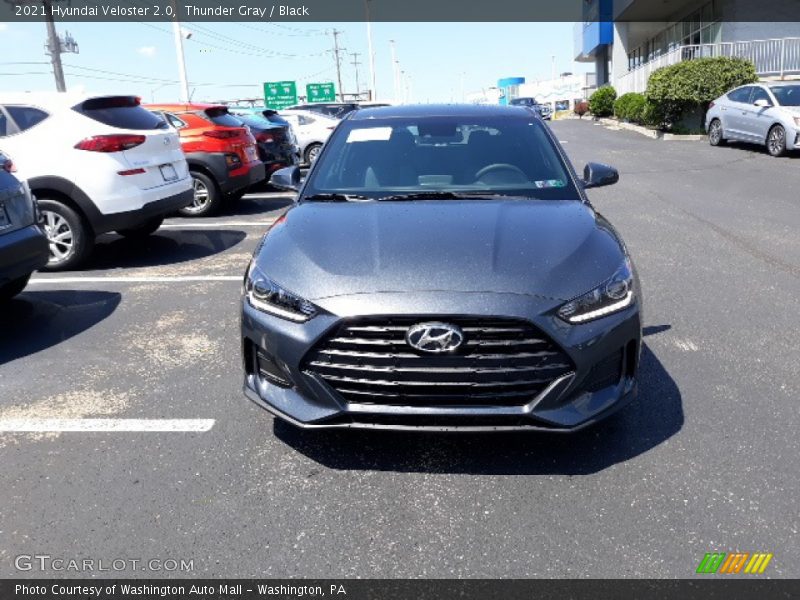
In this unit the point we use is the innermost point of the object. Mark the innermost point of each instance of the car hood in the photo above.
(554, 249)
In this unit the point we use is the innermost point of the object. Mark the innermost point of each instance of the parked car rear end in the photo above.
(220, 150)
(96, 164)
(23, 245)
(275, 142)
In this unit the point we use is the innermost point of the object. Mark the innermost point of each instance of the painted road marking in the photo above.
(32, 425)
(216, 224)
(133, 279)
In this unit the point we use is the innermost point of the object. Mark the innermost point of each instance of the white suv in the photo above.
(96, 164)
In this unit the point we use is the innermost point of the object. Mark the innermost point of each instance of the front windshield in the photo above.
(787, 95)
(379, 158)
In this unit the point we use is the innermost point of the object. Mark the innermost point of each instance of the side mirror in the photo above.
(287, 178)
(598, 175)
(762, 103)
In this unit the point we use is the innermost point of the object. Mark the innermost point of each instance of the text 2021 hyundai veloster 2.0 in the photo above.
(442, 269)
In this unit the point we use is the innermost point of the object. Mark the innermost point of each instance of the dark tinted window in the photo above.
(257, 122)
(523, 102)
(274, 117)
(760, 94)
(509, 155)
(3, 124)
(220, 116)
(26, 116)
(787, 95)
(123, 112)
(740, 95)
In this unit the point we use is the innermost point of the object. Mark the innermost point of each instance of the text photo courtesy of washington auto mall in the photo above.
(399, 300)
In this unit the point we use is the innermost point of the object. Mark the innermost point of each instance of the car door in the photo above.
(733, 112)
(756, 120)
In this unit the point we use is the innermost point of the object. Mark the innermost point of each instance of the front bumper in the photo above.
(22, 252)
(566, 404)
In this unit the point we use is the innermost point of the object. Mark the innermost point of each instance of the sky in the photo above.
(231, 60)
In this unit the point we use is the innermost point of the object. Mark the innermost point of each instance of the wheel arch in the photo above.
(65, 191)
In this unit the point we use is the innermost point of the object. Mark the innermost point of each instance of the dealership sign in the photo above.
(320, 92)
(280, 94)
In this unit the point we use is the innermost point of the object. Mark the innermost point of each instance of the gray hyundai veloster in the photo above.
(442, 269)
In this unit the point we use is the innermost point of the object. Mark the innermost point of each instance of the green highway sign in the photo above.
(320, 92)
(280, 94)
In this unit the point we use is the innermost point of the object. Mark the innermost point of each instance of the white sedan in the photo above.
(311, 129)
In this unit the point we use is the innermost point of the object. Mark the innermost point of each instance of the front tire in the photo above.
(311, 153)
(207, 197)
(147, 228)
(12, 288)
(715, 134)
(70, 238)
(776, 141)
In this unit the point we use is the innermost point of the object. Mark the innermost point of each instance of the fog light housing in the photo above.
(267, 368)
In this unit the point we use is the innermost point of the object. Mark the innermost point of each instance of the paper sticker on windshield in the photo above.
(551, 183)
(369, 134)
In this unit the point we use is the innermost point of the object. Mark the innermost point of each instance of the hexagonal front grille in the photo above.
(501, 362)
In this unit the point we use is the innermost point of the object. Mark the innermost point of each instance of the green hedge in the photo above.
(601, 103)
(630, 107)
(687, 86)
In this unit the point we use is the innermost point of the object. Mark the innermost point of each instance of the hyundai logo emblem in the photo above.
(435, 338)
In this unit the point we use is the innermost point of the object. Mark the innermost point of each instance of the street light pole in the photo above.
(373, 92)
(178, 35)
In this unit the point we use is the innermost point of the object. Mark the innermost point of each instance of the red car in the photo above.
(221, 152)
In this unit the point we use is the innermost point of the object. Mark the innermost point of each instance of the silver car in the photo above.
(763, 113)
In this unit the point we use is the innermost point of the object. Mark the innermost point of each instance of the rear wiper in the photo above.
(335, 197)
(443, 196)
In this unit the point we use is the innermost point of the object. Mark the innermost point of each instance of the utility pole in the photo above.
(373, 93)
(336, 33)
(395, 74)
(54, 48)
(355, 64)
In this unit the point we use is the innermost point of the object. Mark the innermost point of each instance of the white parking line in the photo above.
(133, 279)
(101, 425)
(217, 224)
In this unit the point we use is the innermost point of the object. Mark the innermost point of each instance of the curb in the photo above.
(653, 134)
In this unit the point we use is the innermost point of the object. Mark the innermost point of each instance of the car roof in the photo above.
(440, 110)
(184, 106)
(53, 99)
(780, 83)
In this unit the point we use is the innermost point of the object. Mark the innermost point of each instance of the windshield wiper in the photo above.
(335, 197)
(433, 195)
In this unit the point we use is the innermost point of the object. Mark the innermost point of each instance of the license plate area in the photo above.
(168, 172)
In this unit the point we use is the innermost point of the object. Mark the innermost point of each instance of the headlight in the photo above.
(267, 296)
(797, 121)
(612, 296)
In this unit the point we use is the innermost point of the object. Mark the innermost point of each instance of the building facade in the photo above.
(642, 36)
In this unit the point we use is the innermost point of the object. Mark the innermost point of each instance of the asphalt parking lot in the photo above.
(705, 460)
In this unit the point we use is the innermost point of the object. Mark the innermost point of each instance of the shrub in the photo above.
(581, 108)
(630, 107)
(601, 103)
(690, 85)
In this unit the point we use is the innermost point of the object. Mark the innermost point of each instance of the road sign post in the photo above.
(280, 94)
(320, 92)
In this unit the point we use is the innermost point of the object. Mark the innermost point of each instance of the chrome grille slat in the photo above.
(503, 362)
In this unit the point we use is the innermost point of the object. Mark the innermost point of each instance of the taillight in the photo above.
(223, 134)
(266, 138)
(9, 166)
(110, 143)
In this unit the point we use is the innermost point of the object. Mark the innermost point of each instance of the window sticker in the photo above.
(369, 134)
(551, 183)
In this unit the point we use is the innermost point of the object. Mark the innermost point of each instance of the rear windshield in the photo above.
(123, 112)
(220, 116)
(509, 155)
(787, 95)
(274, 117)
(258, 122)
